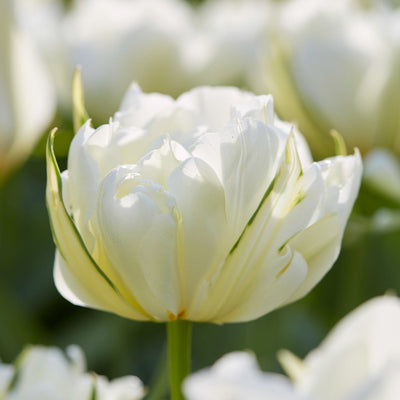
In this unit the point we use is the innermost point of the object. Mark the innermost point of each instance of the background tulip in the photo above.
(358, 360)
(334, 65)
(120, 41)
(223, 41)
(27, 97)
(236, 376)
(46, 373)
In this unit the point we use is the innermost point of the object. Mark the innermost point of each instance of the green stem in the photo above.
(179, 337)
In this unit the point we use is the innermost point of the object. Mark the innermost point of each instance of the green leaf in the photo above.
(80, 115)
(340, 145)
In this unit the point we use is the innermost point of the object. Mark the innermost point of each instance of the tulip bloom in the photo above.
(236, 376)
(46, 373)
(359, 359)
(27, 97)
(118, 41)
(207, 208)
(335, 65)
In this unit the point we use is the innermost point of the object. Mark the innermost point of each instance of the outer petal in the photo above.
(342, 176)
(81, 266)
(138, 227)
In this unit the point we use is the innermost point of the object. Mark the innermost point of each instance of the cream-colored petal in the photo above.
(78, 293)
(268, 290)
(200, 198)
(343, 177)
(278, 261)
(245, 156)
(139, 231)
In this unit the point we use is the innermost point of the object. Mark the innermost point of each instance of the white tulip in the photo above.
(27, 98)
(46, 373)
(42, 20)
(334, 65)
(206, 208)
(118, 41)
(125, 388)
(359, 360)
(236, 376)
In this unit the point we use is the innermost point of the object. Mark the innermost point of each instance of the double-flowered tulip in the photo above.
(204, 208)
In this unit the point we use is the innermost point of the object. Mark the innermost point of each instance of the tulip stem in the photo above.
(179, 338)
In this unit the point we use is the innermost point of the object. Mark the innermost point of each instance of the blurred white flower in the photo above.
(359, 360)
(382, 172)
(42, 20)
(125, 388)
(27, 97)
(46, 373)
(334, 65)
(120, 41)
(223, 41)
(236, 376)
(206, 208)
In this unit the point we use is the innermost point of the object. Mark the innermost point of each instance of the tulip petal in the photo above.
(246, 255)
(245, 156)
(138, 229)
(212, 105)
(271, 291)
(140, 109)
(201, 200)
(320, 243)
(99, 290)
